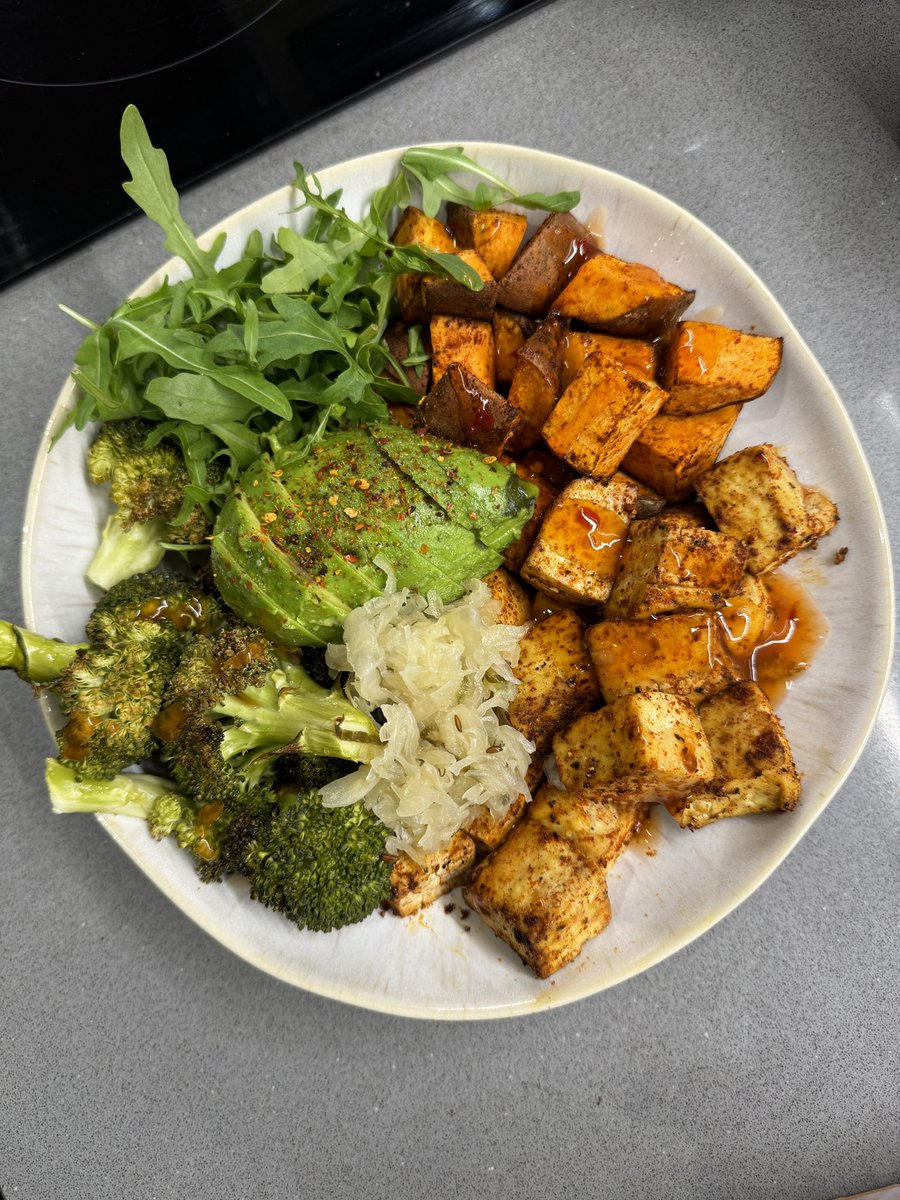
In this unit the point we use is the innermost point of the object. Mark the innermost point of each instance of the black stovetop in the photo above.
(213, 79)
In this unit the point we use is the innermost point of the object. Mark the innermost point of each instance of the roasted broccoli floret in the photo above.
(323, 868)
(148, 488)
(111, 688)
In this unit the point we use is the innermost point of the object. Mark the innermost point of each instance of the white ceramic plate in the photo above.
(437, 964)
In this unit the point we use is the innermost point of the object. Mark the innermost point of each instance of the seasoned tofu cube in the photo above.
(513, 601)
(625, 298)
(681, 653)
(599, 830)
(670, 452)
(511, 332)
(535, 383)
(639, 356)
(414, 886)
(709, 366)
(754, 767)
(488, 831)
(646, 748)
(545, 264)
(600, 414)
(576, 553)
(462, 340)
(463, 409)
(456, 299)
(556, 679)
(495, 233)
(514, 555)
(667, 566)
(746, 616)
(541, 896)
(755, 496)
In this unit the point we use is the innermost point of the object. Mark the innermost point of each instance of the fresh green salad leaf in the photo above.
(431, 167)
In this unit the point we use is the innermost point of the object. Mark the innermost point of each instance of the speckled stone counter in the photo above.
(138, 1058)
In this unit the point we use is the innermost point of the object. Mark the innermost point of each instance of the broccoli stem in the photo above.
(125, 552)
(124, 795)
(291, 712)
(34, 658)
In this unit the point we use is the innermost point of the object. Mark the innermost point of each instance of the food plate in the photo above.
(443, 964)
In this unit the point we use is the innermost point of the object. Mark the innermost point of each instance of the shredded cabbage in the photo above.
(442, 677)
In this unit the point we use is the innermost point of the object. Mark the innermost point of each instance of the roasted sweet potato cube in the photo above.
(755, 495)
(709, 366)
(639, 356)
(456, 299)
(514, 555)
(416, 229)
(645, 748)
(541, 896)
(681, 653)
(495, 233)
(600, 414)
(545, 264)
(463, 409)
(535, 383)
(670, 452)
(746, 615)
(556, 679)
(511, 332)
(513, 601)
(488, 831)
(625, 298)
(416, 885)
(462, 340)
(666, 567)
(416, 375)
(576, 553)
(754, 768)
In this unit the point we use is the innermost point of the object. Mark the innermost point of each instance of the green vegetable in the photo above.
(111, 687)
(323, 868)
(153, 497)
(305, 538)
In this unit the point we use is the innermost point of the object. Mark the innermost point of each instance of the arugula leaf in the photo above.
(151, 188)
(431, 166)
(198, 399)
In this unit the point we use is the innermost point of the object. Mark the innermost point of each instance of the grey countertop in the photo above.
(138, 1058)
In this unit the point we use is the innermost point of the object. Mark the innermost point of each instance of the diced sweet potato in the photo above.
(666, 567)
(626, 298)
(639, 356)
(708, 366)
(514, 602)
(535, 383)
(447, 296)
(756, 496)
(414, 886)
(600, 414)
(670, 452)
(465, 410)
(556, 679)
(494, 233)
(576, 553)
(511, 332)
(465, 341)
(681, 653)
(545, 264)
(646, 748)
(753, 766)
(415, 228)
(418, 375)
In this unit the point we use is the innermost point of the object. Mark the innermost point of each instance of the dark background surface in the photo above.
(213, 80)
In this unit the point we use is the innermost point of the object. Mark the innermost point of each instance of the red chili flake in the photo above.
(351, 558)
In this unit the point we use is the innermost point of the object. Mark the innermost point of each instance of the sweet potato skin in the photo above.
(463, 409)
(624, 298)
(545, 264)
